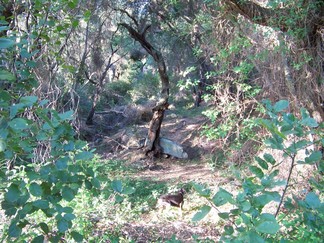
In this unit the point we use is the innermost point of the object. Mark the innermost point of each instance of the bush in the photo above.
(301, 218)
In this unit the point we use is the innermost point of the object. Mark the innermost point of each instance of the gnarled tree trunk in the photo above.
(152, 143)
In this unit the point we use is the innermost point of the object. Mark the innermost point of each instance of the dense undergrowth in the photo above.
(55, 61)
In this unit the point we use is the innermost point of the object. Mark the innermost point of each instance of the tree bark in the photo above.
(152, 143)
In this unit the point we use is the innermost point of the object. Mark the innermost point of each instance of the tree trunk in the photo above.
(152, 143)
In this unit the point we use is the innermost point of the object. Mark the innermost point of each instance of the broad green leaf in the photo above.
(62, 163)
(265, 198)
(267, 224)
(6, 75)
(228, 230)
(222, 197)
(76, 236)
(273, 143)
(66, 115)
(5, 96)
(3, 145)
(118, 198)
(204, 210)
(257, 171)
(313, 200)
(42, 204)
(35, 189)
(281, 105)
(201, 190)
(13, 193)
(268, 227)
(2, 28)
(269, 158)
(117, 186)
(38, 239)
(29, 100)
(314, 157)
(128, 190)
(44, 227)
(223, 215)
(309, 122)
(14, 230)
(69, 216)
(62, 225)
(68, 193)
(18, 124)
(246, 205)
(6, 43)
(262, 163)
(96, 183)
(84, 155)
(255, 237)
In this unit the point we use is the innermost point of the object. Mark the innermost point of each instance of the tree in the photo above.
(138, 33)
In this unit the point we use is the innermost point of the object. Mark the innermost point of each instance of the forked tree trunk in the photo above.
(152, 143)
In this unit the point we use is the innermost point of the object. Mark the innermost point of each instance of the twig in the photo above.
(287, 184)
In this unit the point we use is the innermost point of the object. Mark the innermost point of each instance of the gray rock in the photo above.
(172, 148)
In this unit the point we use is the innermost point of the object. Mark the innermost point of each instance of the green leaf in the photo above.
(68, 193)
(313, 200)
(314, 157)
(29, 100)
(76, 236)
(201, 190)
(246, 206)
(69, 216)
(14, 230)
(35, 189)
(6, 75)
(6, 43)
(44, 228)
(255, 237)
(309, 122)
(13, 193)
(281, 105)
(128, 190)
(38, 239)
(223, 215)
(84, 155)
(204, 210)
(267, 224)
(18, 124)
(269, 158)
(62, 163)
(117, 186)
(228, 230)
(96, 183)
(222, 197)
(42, 204)
(257, 171)
(3, 145)
(67, 115)
(118, 198)
(62, 225)
(262, 163)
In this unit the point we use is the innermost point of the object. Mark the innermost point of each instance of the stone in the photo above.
(172, 148)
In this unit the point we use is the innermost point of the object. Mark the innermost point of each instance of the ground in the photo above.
(155, 225)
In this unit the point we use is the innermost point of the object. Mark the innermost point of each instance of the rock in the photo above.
(172, 148)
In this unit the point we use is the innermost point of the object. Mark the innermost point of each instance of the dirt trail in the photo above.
(153, 227)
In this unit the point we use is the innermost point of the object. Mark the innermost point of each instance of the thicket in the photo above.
(60, 59)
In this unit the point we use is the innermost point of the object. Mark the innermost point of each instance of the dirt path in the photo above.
(154, 226)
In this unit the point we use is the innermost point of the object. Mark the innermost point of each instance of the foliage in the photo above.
(249, 220)
(43, 166)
